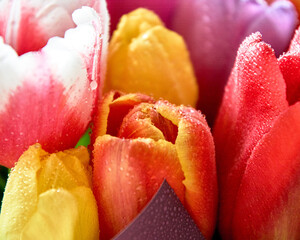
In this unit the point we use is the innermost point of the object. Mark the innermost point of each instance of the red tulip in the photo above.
(139, 144)
(257, 136)
(48, 96)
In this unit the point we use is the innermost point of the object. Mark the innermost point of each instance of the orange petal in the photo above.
(196, 153)
(112, 108)
(144, 121)
(127, 173)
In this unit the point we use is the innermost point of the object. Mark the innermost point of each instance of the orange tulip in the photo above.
(140, 142)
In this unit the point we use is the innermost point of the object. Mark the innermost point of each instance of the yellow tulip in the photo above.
(146, 57)
(49, 196)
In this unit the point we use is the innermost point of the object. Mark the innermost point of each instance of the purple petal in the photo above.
(276, 23)
(207, 27)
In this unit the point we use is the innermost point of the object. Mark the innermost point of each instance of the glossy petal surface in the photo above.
(48, 96)
(271, 184)
(254, 97)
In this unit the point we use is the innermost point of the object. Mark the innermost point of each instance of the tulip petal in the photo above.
(49, 96)
(276, 23)
(22, 186)
(68, 168)
(27, 25)
(268, 199)
(144, 121)
(289, 66)
(49, 194)
(254, 97)
(155, 61)
(64, 221)
(196, 153)
(111, 110)
(127, 173)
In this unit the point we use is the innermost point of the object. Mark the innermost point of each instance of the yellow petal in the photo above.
(146, 57)
(32, 203)
(64, 215)
(20, 197)
(63, 170)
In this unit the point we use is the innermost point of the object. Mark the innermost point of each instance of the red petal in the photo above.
(268, 199)
(254, 97)
(290, 68)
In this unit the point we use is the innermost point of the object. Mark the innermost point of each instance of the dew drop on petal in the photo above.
(93, 85)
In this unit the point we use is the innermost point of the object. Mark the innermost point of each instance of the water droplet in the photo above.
(93, 85)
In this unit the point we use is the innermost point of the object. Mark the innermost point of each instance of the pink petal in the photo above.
(27, 25)
(254, 98)
(49, 96)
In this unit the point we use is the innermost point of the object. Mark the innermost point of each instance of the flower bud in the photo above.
(146, 57)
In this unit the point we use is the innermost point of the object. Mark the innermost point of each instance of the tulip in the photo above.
(139, 143)
(49, 196)
(48, 92)
(213, 31)
(154, 60)
(257, 137)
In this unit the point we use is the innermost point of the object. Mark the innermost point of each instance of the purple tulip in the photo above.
(213, 31)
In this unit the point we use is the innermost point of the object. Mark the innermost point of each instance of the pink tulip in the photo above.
(257, 136)
(49, 89)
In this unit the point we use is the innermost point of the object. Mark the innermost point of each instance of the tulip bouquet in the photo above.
(189, 111)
